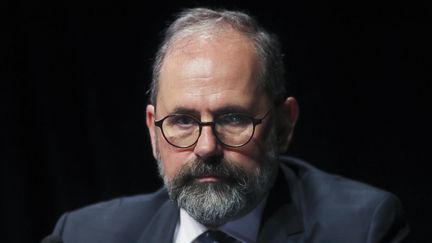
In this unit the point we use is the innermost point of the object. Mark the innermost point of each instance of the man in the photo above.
(218, 119)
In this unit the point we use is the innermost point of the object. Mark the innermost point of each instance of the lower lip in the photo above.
(208, 179)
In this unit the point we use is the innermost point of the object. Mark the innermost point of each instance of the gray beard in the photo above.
(214, 204)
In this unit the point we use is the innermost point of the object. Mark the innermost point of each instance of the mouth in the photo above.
(208, 179)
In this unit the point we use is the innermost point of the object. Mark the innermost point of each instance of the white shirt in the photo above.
(244, 229)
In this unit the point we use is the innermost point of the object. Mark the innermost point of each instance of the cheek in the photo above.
(253, 154)
(172, 159)
(249, 157)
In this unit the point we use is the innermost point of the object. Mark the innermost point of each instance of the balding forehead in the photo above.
(227, 51)
(215, 65)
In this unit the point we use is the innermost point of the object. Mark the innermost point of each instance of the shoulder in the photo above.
(117, 218)
(331, 202)
(124, 205)
(317, 183)
(313, 183)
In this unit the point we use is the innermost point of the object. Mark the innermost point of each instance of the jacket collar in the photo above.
(282, 218)
(162, 226)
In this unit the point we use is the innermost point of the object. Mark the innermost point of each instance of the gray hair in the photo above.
(198, 20)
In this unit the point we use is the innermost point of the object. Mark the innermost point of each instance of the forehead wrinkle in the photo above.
(210, 102)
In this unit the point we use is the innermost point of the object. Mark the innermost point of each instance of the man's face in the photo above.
(206, 77)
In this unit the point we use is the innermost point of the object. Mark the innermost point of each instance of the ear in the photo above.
(286, 121)
(150, 118)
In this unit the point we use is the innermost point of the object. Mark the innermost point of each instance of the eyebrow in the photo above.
(232, 109)
(217, 112)
(184, 110)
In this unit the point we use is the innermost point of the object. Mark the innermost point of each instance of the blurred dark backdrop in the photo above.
(74, 78)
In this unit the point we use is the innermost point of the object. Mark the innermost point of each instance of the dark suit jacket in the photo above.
(305, 205)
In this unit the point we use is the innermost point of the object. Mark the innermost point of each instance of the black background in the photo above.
(73, 99)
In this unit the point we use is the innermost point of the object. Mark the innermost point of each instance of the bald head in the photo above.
(201, 25)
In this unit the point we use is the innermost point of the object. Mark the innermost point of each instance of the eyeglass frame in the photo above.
(212, 124)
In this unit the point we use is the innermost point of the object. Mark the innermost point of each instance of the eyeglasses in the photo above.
(231, 130)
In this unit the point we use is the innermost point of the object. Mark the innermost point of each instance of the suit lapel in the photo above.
(162, 226)
(282, 220)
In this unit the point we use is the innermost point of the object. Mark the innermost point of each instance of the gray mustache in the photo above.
(222, 168)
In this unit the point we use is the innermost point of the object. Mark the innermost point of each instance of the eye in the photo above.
(234, 120)
(182, 120)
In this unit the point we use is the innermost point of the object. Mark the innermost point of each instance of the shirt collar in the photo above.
(244, 229)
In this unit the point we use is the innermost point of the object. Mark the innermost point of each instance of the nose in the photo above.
(207, 144)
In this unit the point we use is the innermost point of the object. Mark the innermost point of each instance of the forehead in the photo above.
(209, 70)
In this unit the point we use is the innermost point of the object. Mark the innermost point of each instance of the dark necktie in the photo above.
(215, 236)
